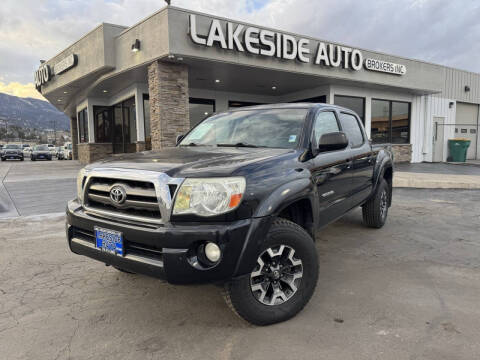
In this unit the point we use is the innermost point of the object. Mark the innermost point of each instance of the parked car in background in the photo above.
(59, 152)
(1, 146)
(12, 152)
(67, 151)
(41, 152)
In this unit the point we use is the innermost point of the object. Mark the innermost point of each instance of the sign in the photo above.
(44, 73)
(249, 39)
(67, 63)
(385, 66)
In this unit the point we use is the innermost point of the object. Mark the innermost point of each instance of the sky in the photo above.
(446, 32)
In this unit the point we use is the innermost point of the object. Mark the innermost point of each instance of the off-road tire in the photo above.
(375, 210)
(238, 292)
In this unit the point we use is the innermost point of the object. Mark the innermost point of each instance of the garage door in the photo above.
(466, 126)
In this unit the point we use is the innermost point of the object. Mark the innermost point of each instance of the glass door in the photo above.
(125, 127)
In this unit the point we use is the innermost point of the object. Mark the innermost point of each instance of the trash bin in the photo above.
(458, 149)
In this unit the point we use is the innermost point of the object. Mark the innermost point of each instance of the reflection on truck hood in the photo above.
(192, 161)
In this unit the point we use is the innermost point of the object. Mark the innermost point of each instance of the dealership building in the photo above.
(129, 89)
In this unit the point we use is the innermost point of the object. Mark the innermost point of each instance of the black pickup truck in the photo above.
(237, 202)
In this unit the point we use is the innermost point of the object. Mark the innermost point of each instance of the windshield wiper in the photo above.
(191, 144)
(240, 144)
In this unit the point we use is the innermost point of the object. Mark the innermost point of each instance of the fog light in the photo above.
(212, 252)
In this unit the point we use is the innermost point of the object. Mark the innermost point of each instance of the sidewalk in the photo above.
(437, 176)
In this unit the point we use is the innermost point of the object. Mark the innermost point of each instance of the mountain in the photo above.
(31, 113)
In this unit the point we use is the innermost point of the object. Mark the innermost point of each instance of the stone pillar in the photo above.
(169, 114)
(74, 135)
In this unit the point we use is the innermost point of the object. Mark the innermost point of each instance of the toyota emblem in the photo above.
(118, 195)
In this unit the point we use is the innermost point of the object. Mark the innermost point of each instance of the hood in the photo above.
(192, 161)
(40, 152)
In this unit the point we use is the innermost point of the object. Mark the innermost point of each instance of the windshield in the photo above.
(40, 148)
(12, 146)
(69, 146)
(275, 128)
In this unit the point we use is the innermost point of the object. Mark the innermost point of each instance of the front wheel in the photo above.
(375, 210)
(283, 279)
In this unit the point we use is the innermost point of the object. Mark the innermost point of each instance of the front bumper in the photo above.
(12, 156)
(165, 251)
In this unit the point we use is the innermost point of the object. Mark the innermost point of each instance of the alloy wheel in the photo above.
(277, 275)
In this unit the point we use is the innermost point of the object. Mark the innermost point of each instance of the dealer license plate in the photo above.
(110, 241)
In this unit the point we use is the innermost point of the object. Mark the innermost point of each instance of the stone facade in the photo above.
(74, 134)
(402, 153)
(169, 112)
(90, 152)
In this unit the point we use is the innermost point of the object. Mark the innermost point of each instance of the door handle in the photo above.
(349, 163)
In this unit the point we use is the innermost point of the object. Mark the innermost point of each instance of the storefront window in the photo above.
(232, 104)
(354, 103)
(200, 109)
(103, 119)
(83, 126)
(390, 122)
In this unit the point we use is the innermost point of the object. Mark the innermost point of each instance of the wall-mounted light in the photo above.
(467, 88)
(136, 46)
(450, 104)
(217, 80)
(274, 88)
(105, 91)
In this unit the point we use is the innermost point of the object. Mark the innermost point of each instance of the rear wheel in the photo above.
(283, 279)
(375, 210)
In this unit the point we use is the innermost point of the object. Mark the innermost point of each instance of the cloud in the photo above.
(21, 90)
(439, 31)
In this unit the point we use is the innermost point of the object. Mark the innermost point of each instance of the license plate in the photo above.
(110, 241)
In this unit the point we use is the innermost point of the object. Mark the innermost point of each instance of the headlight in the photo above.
(209, 197)
(80, 182)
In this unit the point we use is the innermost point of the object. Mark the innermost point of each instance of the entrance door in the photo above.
(466, 123)
(438, 138)
(125, 130)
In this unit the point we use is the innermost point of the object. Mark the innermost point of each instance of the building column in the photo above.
(74, 135)
(169, 112)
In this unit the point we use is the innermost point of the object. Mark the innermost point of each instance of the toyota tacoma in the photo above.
(237, 202)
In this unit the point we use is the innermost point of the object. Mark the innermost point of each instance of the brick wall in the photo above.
(169, 113)
(402, 153)
(88, 152)
(74, 134)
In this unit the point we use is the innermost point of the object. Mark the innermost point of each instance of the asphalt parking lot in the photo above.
(40, 187)
(408, 291)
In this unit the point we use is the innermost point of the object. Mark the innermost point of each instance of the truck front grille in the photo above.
(140, 201)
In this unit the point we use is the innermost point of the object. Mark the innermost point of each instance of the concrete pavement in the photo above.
(407, 291)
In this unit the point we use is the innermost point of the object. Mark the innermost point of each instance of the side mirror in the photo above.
(179, 138)
(332, 141)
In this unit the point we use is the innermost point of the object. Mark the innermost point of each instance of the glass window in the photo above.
(236, 104)
(325, 122)
(103, 124)
(317, 99)
(390, 122)
(380, 121)
(353, 103)
(400, 122)
(83, 126)
(200, 109)
(352, 129)
(276, 128)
